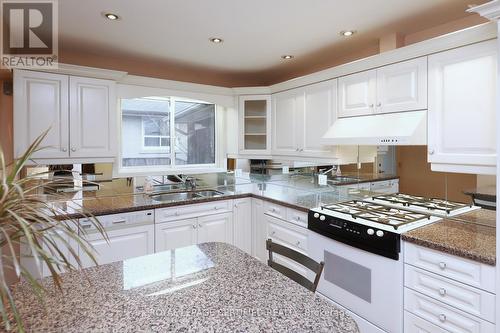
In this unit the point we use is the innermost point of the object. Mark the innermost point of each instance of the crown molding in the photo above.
(489, 10)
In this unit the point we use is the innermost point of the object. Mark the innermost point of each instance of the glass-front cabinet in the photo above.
(255, 115)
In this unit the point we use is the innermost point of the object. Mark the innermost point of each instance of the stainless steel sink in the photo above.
(175, 196)
(185, 195)
(209, 193)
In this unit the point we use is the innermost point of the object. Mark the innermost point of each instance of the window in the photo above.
(164, 133)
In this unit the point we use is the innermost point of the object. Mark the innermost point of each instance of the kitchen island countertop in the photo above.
(210, 287)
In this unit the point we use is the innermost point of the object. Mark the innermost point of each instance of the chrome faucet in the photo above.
(190, 182)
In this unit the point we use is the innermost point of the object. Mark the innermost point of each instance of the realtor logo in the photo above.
(29, 34)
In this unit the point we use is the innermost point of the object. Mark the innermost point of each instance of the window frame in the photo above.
(154, 149)
(172, 168)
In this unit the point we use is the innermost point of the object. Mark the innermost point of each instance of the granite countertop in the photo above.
(471, 235)
(211, 287)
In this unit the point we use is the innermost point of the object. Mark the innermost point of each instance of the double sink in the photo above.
(184, 195)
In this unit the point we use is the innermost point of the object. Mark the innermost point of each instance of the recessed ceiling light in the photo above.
(216, 40)
(111, 16)
(347, 33)
(287, 56)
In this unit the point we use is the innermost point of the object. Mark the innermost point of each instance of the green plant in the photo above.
(26, 217)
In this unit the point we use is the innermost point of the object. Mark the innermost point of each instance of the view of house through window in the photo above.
(166, 132)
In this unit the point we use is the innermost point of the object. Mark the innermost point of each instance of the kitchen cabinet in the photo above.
(255, 124)
(357, 94)
(93, 118)
(175, 234)
(122, 244)
(301, 117)
(393, 88)
(65, 244)
(447, 292)
(259, 231)
(80, 112)
(41, 102)
(287, 108)
(216, 228)
(402, 86)
(242, 224)
(462, 109)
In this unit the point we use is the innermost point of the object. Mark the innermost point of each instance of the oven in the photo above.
(367, 284)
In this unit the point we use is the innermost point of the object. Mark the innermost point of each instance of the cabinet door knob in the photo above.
(442, 265)
(296, 149)
(273, 232)
(442, 317)
(301, 149)
(65, 149)
(442, 291)
(431, 151)
(73, 149)
(194, 226)
(298, 243)
(379, 104)
(371, 105)
(235, 205)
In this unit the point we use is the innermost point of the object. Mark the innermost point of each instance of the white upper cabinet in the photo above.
(92, 117)
(394, 88)
(255, 124)
(80, 112)
(357, 94)
(301, 117)
(40, 103)
(286, 106)
(320, 112)
(402, 86)
(462, 109)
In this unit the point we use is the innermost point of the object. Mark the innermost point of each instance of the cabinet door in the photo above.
(259, 230)
(462, 106)
(123, 244)
(402, 86)
(171, 235)
(242, 223)
(285, 108)
(40, 103)
(319, 114)
(216, 228)
(255, 124)
(93, 117)
(357, 94)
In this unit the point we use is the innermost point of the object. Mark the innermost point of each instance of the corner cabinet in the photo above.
(393, 88)
(80, 112)
(254, 124)
(462, 109)
(301, 117)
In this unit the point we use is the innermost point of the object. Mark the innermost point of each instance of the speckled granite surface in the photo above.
(460, 236)
(211, 287)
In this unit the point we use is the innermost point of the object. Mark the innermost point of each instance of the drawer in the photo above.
(296, 217)
(469, 299)
(414, 324)
(287, 234)
(274, 210)
(444, 316)
(190, 211)
(121, 220)
(463, 270)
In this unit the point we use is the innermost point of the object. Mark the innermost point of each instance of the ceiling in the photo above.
(256, 33)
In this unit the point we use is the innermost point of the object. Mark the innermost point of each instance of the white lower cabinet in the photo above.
(123, 244)
(171, 235)
(259, 230)
(242, 222)
(216, 228)
(446, 293)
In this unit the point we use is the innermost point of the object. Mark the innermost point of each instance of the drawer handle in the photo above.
(298, 218)
(442, 318)
(273, 210)
(298, 243)
(119, 222)
(442, 291)
(86, 226)
(442, 265)
(215, 208)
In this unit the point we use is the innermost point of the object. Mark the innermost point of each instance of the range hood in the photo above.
(402, 128)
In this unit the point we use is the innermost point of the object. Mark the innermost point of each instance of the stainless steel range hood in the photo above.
(402, 128)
